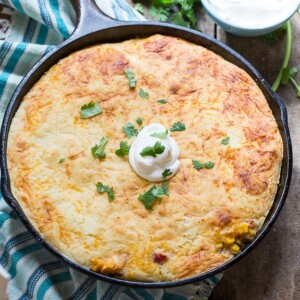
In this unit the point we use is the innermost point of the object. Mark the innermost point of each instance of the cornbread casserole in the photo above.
(210, 212)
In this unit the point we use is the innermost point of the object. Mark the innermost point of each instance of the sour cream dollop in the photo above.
(149, 167)
(253, 14)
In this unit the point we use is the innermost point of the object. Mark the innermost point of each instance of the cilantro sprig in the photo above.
(160, 135)
(225, 141)
(139, 120)
(178, 126)
(162, 101)
(158, 148)
(130, 130)
(90, 110)
(198, 165)
(161, 13)
(98, 149)
(179, 12)
(154, 194)
(101, 188)
(143, 94)
(130, 75)
(123, 150)
(166, 173)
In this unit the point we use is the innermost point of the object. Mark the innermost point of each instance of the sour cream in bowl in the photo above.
(250, 18)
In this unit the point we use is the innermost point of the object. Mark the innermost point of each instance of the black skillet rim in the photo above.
(9, 198)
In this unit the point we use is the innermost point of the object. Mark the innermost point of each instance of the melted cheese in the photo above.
(208, 213)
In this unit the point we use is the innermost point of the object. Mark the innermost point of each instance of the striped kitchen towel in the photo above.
(36, 27)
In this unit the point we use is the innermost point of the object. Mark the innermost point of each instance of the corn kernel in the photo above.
(235, 249)
(229, 241)
(219, 247)
(251, 232)
(243, 228)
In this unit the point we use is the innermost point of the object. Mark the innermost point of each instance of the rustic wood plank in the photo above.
(272, 270)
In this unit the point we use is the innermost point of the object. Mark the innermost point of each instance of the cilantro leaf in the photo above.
(178, 19)
(161, 13)
(160, 135)
(225, 141)
(287, 74)
(139, 120)
(123, 150)
(129, 130)
(97, 151)
(158, 148)
(143, 94)
(274, 36)
(178, 126)
(130, 75)
(166, 173)
(150, 197)
(101, 188)
(198, 165)
(89, 110)
(61, 160)
(163, 101)
(139, 8)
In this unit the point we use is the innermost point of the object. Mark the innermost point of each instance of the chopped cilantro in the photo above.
(163, 101)
(158, 148)
(101, 188)
(61, 160)
(129, 130)
(143, 94)
(198, 165)
(160, 135)
(89, 110)
(225, 141)
(178, 126)
(139, 7)
(130, 75)
(97, 151)
(139, 120)
(166, 173)
(123, 150)
(150, 197)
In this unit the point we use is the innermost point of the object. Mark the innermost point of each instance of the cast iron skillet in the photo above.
(95, 27)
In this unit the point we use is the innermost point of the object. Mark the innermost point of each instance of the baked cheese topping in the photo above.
(145, 160)
(68, 160)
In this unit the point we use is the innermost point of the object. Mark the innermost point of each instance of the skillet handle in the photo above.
(90, 18)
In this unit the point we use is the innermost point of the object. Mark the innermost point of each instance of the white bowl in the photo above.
(239, 27)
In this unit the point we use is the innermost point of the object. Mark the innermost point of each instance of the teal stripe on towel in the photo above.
(11, 65)
(60, 23)
(51, 281)
(37, 275)
(11, 243)
(18, 6)
(17, 256)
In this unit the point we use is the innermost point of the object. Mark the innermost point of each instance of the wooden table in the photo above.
(272, 270)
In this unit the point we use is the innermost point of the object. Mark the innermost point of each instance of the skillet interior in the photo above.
(120, 32)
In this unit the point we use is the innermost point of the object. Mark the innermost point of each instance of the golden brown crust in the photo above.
(209, 214)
